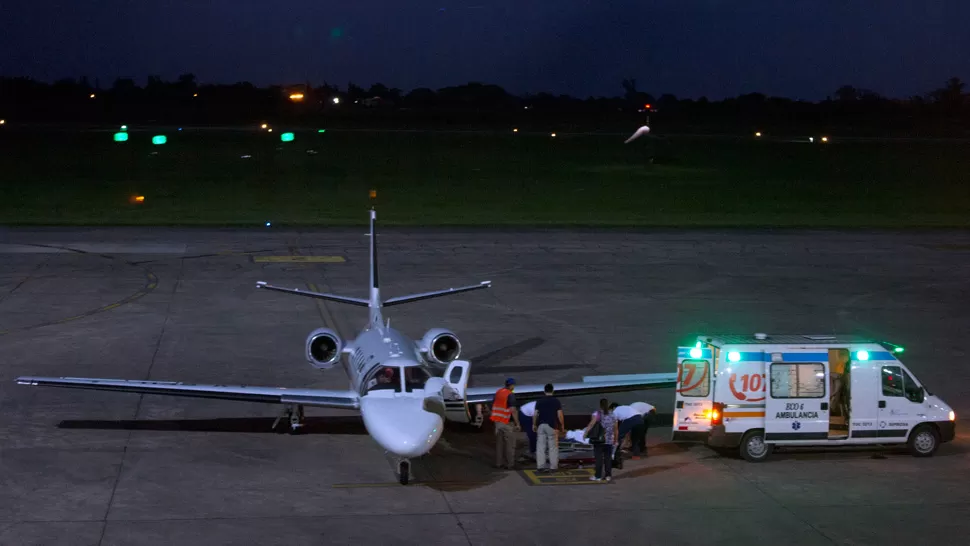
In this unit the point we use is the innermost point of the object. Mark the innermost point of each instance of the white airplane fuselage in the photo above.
(388, 371)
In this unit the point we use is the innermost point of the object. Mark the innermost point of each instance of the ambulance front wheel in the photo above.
(924, 441)
(753, 446)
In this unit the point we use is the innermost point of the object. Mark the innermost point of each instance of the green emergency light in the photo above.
(159, 139)
(321, 130)
(287, 137)
(121, 137)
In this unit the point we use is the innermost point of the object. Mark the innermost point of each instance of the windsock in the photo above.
(640, 132)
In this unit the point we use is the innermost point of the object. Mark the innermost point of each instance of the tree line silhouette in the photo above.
(944, 111)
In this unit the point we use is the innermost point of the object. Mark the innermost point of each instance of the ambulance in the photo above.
(753, 393)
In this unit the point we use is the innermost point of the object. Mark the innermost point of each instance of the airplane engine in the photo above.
(323, 348)
(441, 346)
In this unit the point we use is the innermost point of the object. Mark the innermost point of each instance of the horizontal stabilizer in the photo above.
(311, 294)
(436, 294)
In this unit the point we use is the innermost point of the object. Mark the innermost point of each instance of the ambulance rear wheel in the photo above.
(753, 447)
(924, 441)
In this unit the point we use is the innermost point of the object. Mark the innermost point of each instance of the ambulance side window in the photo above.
(694, 378)
(892, 381)
(896, 382)
(798, 380)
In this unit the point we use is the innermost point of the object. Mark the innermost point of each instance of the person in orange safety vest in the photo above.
(504, 411)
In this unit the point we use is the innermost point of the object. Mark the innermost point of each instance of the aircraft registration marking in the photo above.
(300, 259)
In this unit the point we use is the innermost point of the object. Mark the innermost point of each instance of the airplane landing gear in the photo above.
(293, 414)
(404, 468)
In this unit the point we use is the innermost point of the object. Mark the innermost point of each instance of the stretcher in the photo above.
(575, 454)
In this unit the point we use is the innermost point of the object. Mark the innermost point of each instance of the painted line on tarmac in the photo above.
(410, 484)
(575, 476)
(151, 282)
(300, 259)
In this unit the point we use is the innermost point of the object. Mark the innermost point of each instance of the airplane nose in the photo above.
(401, 425)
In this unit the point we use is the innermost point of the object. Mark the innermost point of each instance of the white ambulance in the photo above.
(757, 392)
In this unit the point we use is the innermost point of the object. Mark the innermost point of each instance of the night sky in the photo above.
(692, 48)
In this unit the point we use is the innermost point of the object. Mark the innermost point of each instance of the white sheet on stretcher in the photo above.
(576, 436)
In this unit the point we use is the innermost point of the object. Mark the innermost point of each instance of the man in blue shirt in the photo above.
(548, 422)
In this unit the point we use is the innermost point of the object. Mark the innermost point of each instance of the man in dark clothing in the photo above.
(548, 422)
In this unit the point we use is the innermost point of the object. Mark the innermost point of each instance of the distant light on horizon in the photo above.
(296, 96)
(287, 137)
(336, 100)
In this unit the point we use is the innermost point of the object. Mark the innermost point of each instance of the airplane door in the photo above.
(900, 402)
(797, 405)
(456, 375)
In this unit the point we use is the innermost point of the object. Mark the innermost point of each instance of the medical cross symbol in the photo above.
(796, 425)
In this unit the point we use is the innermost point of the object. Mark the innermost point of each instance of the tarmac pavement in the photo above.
(87, 467)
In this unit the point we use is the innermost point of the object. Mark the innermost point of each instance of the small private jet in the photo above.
(404, 389)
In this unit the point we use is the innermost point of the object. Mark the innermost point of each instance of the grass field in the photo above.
(199, 178)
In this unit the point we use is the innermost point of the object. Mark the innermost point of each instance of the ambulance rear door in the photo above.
(694, 396)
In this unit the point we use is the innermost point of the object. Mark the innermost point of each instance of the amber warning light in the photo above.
(137, 199)
(373, 194)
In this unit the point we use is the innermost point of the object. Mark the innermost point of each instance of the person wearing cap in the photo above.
(502, 414)
(526, 413)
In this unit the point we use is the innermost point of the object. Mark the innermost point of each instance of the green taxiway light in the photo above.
(159, 139)
(121, 137)
(287, 137)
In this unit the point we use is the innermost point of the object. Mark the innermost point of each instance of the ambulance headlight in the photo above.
(953, 416)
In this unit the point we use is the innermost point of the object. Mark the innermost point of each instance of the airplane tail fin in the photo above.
(374, 301)
(375, 294)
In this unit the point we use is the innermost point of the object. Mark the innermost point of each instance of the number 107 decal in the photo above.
(752, 387)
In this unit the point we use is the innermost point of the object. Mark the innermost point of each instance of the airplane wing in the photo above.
(597, 384)
(269, 395)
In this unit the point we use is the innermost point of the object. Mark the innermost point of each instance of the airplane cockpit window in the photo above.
(387, 378)
(415, 377)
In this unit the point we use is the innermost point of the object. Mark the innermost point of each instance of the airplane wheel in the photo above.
(405, 469)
